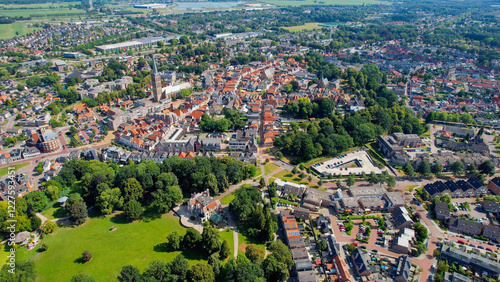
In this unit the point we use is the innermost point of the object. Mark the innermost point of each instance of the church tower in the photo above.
(156, 82)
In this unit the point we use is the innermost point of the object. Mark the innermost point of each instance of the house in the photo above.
(459, 131)
(202, 205)
(472, 260)
(401, 218)
(323, 223)
(491, 232)
(442, 211)
(361, 265)
(22, 238)
(301, 213)
(490, 206)
(464, 226)
(494, 185)
(455, 277)
(402, 243)
(403, 269)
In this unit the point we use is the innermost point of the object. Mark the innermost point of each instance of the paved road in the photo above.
(236, 244)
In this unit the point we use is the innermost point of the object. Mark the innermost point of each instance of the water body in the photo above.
(205, 5)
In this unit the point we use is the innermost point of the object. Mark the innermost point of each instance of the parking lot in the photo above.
(476, 211)
(355, 162)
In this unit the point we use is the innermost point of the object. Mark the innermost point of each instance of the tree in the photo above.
(174, 241)
(437, 168)
(36, 222)
(191, 239)
(24, 271)
(129, 274)
(86, 256)
(49, 227)
(110, 200)
(254, 253)
(73, 131)
(424, 168)
(51, 191)
(339, 184)
(82, 277)
(262, 182)
(487, 168)
(294, 170)
(248, 272)
(225, 250)
(279, 155)
(408, 169)
(457, 168)
(302, 175)
(390, 180)
(157, 271)
(272, 190)
(351, 180)
(132, 190)
(166, 198)
(274, 270)
(132, 210)
(322, 245)
(201, 272)
(282, 253)
(37, 200)
(179, 266)
(211, 240)
(78, 213)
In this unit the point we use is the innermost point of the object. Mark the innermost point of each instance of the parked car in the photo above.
(480, 247)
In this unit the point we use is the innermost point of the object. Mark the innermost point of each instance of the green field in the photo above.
(136, 243)
(226, 200)
(5, 170)
(39, 12)
(306, 26)
(43, 5)
(270, 167)
(323, 2)
(56, 211)
(8, 31)
(289, 177)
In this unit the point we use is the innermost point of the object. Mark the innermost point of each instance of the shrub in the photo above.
(86, 256)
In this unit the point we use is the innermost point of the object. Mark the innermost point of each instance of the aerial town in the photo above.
(250, 141)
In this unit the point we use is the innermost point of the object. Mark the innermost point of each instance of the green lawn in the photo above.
(8, 31)
(56, 211)
(5, 170)
(135, 243)
(244, 240)
(41, 13)
(306, 26)
(270, 167)
(321, 2)
(289, 177)
(41, 5)
(228, 235)
(227, 199)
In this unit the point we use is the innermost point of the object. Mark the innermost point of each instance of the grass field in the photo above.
(288, 176)
(39, 12)
(8, 31)
(43, 5)
(55, 212)
(321, 2)
(5, 170)
(226, 200)
(243, 241)
(270, 167)
(136, 243)
(306, 26)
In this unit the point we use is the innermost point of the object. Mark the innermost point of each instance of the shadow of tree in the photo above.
(161, 248)
(119, 219)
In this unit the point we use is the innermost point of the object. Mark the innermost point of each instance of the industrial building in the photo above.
(136, 43)
(150, 6)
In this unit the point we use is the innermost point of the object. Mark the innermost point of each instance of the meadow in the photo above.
(136, 243)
